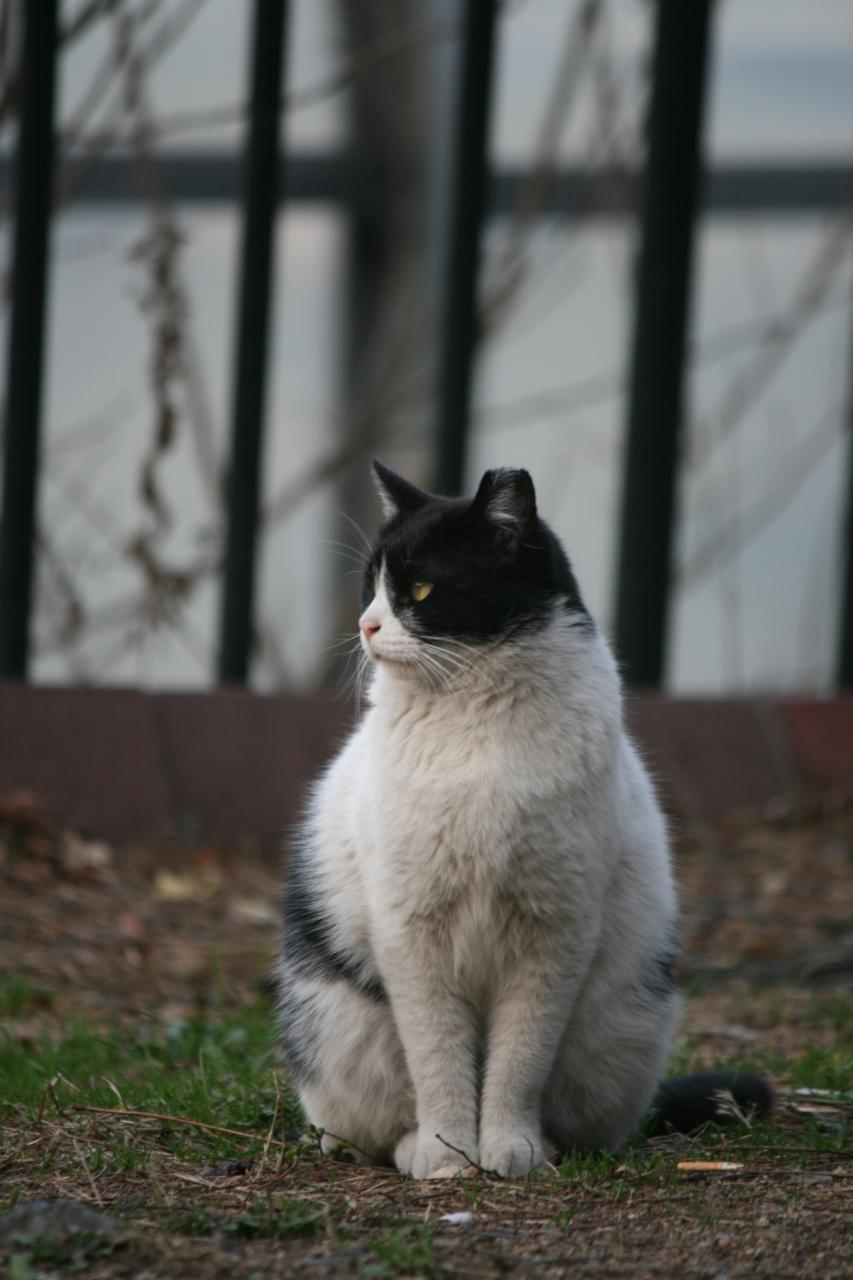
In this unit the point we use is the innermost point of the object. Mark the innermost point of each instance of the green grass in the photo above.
(75, 1255)
(835, 1012)
(19, 998)
(407, 1249)
(259, 1219)
(282, 1221)
(816, 1067)
(218, 1069)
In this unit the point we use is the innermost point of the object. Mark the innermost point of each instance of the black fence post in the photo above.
(33, 192)
(459, 334)
(669, 202)
(845, 624)
(263, 163)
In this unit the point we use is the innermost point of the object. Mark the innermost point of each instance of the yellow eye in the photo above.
(420, 590)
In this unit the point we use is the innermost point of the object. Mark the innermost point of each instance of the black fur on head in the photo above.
(495, 567)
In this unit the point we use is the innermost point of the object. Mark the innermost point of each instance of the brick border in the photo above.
(232, 766)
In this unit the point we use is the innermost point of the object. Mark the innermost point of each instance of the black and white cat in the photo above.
(480, 917)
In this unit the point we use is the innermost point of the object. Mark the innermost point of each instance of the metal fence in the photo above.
(667, 197)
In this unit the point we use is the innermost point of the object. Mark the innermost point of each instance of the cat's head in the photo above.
(451, 577)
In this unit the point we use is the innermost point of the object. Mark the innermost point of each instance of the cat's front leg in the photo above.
(439, 1031)
(527, 1020)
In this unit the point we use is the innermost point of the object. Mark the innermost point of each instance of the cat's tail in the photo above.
(687, 1102)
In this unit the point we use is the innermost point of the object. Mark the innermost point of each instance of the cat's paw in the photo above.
(513, 1153)
(427, 1157)
(404, 1152)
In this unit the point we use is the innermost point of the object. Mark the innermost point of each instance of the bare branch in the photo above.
(775, 342)
(89, 13)
(571, 66)
(608, 384)
(798, 467)
(360, 63)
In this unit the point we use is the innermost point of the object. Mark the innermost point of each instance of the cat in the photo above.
(480, 919)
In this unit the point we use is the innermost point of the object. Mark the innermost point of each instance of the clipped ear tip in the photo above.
(507, 499)
(509, 480)
(518, 475)
(508, 476)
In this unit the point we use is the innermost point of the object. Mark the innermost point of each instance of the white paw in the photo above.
(513, 1153)
(404, 1152)
(427, 1157)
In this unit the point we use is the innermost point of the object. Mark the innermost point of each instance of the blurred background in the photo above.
(557, 234)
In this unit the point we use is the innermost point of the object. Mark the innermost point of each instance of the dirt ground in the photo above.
(154, 933)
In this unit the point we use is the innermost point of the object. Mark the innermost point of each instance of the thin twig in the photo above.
(489, 1173)
(345, 1142)
(169, 1119)
(82, 1158)
(269, 1136)
(49, 1088)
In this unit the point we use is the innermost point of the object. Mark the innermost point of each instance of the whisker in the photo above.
(368, 544)
(345, 555)
(347, 546)
(349, 639)
(461, 664)
(430, 663)
(423, 665)
(345, 551)
(360, 677)
(456, 661)
(355, 677)
(447, 671)
(348, 674)
(458, 644)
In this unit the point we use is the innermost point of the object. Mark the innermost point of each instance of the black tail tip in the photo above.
(688, 1102)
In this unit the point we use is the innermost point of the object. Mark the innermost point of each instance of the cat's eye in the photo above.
(420, 590)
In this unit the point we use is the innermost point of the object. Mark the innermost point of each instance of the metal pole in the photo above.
(34, 165)
(845, 629)
(263, 164)
(468, 186)
(669, 202)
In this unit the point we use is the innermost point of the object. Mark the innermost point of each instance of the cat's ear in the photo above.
(506, 499)
(395, 493)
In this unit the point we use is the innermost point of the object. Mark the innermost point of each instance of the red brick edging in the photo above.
(232, 766)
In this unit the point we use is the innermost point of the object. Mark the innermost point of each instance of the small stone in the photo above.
(54, 1220)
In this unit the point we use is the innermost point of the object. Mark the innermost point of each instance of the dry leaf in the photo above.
(84, 857)
(255, 911)
(184, 960)
(176, 886)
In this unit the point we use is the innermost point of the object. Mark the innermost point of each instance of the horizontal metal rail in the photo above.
(790, 189)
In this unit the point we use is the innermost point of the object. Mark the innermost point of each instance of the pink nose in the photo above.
(369, 627)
